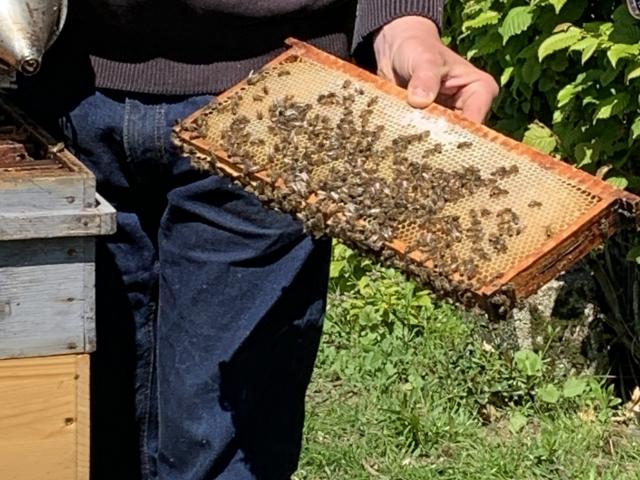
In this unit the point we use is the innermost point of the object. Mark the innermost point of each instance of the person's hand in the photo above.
(410, 53)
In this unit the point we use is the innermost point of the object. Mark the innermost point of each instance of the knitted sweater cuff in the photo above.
(373, 14)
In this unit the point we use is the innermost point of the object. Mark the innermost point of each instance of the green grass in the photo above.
(407, 388)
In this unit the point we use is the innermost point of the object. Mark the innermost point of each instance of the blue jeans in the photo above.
(209, 307)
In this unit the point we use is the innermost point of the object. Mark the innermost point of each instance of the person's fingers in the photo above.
(425, 81)
(446, 100)
(475, 91)
(392, 76)
(478, 105)
(472, 103)
(477, 108)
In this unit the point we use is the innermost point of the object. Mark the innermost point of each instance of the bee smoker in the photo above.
(27, 30)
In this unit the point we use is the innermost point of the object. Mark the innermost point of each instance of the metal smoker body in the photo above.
(27, 29)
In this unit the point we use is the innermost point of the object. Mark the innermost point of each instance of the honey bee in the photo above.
(469, 268)
(254, 78)
(481, 253)
(499, 172)
(346, 84)
(549, 231)
(464, 145)
(497, 242)
(284, 73)
(534, 204)
(497, 191)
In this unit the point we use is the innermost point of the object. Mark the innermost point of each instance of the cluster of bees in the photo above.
(328, 163)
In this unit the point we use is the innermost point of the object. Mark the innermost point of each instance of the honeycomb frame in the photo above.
(597, 207)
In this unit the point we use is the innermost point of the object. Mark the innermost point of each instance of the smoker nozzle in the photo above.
(29, 66)
(27, 30)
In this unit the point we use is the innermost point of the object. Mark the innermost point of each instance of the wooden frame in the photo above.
(562, 249)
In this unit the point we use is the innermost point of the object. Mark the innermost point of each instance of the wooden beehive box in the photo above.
(49, 215)
(492, 219)
(44, 418)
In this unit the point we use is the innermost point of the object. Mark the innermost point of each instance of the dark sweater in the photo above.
(203, 46)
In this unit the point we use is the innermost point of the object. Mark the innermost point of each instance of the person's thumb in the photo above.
(424, 83)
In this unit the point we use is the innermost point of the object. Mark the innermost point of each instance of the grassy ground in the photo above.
(406, 388)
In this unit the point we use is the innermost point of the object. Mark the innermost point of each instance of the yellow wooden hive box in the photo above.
(44, 418)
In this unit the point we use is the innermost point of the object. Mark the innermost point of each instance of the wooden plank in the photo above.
(100, 220)
(77, 167)
(89, 288)
(44, 418)
(47, 297)
(34, 192)
(83, 424)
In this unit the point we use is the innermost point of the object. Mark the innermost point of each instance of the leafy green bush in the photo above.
(379, 309)
(570, 76)
(410, 389)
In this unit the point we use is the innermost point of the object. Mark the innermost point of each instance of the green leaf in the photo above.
(506, 76)
(634, 132)
(517, 422)
(488, 43)
(528, 362)
(608, 76)
(540, 137)
(582, 44)
(423, 299)
(621, 15)
(516, 21)
(558, 116)
(621, 50)
(490, 17)
(586, 154)
(558, 4)
(336, 268)
(558, 41)
(614, 105)
(629, 34)
(549, 394)
(587, 46)
(573, 387)
(618, 182)
(588, 52)
(634, 254)
(573, 10)
(633, 72)
(589, 100)
(364, 285)
(625, 27)
(531, 70)
(606, 28)
(547, 84)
